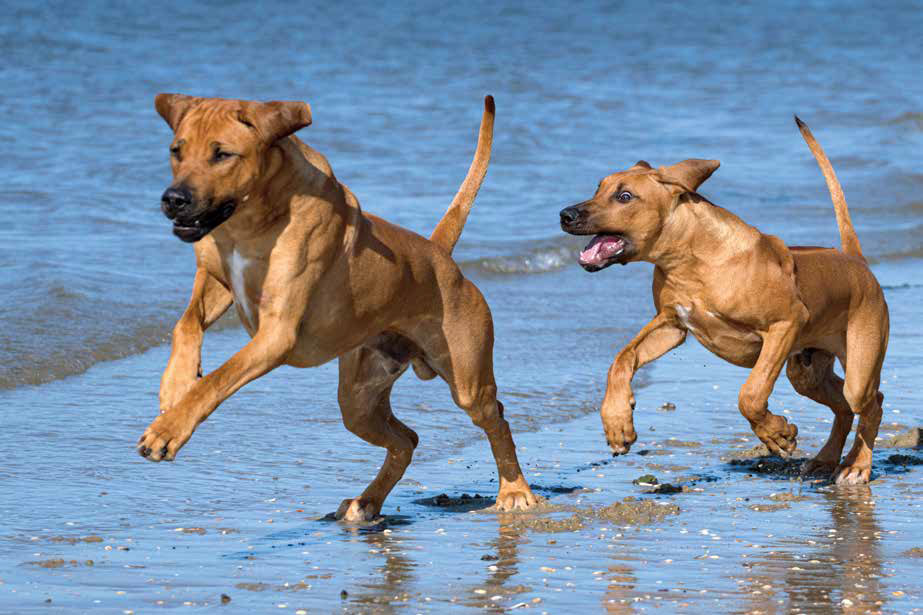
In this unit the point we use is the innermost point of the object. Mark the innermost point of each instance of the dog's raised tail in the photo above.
(848, 238)
(450, 226)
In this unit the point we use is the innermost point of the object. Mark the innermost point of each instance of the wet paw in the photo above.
(516, 499)
(779, 436)
(357, 510)
(164, 437)
(855, 474)
(620, 435)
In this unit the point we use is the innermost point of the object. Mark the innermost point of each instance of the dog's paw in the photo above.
(818, 467)
(516, 498)
(164, 437)
(620, 434)
(854, 474)
(357, 510)
(779, 436)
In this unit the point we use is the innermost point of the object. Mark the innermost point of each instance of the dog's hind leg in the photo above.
(811, 374)
(460, 350)
(866, 342)
(366, 377)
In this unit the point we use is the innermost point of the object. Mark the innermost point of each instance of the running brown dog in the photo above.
(748, 298)
(314, 278)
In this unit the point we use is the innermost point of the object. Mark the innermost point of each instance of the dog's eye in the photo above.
(624, 196)
(220, 155)
(175, 152)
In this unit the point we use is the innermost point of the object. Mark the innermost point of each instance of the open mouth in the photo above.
(194, 229)
(603, 251)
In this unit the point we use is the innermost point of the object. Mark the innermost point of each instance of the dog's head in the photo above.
(629, 210)
(220, 150)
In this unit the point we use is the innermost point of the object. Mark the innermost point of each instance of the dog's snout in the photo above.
(569, 215)
(175, 199)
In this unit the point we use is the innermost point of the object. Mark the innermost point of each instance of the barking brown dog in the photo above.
(749, 299)
(314, 278)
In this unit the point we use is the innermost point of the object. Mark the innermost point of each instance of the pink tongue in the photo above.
(601, 249)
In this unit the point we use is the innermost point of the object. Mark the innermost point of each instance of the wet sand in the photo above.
(694, 519)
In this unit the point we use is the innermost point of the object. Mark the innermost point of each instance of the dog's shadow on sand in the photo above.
(769, 466)
(475, 502)
(777, 468)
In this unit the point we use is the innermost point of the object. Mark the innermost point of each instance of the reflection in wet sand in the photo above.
(502, 562)
(619, 590)
(838, 568)
(391, 582)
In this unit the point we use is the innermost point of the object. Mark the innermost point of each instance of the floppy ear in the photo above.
(172, 107)
(277, 119)
(642, 164)
(690, 173)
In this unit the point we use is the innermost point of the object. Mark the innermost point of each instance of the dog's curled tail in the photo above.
(848, 238)
(450, 226)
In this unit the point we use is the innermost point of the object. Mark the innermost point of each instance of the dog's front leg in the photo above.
(779, 436)
(210, 299)
(653, 341)
(172, 429)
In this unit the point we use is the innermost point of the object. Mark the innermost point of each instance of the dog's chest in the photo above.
(237, 266)
(730, 340)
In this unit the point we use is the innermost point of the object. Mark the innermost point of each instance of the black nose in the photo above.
(175, 200)
(569, 215)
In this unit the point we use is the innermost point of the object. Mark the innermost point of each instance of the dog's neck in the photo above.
(291, 178)
(699, 234)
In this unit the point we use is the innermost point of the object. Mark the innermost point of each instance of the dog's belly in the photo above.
(724, 337)
(307, 354)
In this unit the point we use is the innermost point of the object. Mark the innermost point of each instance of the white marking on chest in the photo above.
(683, 313)
(238, 266)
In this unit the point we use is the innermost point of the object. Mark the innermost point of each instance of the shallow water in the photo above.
(91, 281)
